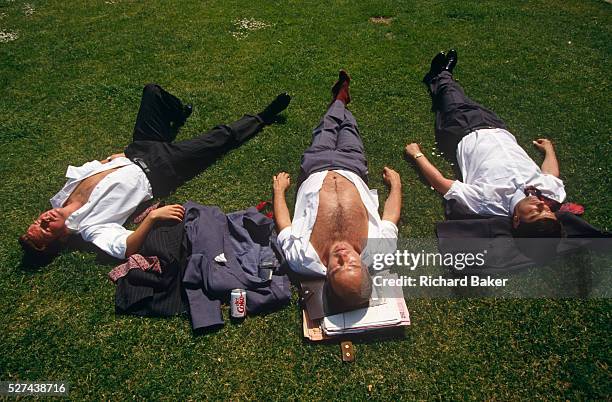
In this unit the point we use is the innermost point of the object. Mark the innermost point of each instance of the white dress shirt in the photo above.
(496, 171)
(110, 203)
(295, 239)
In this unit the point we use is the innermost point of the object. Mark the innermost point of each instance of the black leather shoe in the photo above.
(279, 104)
(438, 64)
(451, 60)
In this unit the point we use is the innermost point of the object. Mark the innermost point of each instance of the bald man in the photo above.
(335, 211)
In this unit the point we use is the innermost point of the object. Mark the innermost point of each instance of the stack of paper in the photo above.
(387, 310)
(391, 313)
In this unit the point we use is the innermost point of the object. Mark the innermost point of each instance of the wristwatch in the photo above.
(418, 155)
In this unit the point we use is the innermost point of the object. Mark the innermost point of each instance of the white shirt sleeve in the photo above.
(302, 258)
(551, 187)
(467, 194)
(110, 238)
(384, 243)
(292, 248)
(388, 230)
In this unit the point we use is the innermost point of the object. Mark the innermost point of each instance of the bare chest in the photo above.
(341, 215)
(83, 190)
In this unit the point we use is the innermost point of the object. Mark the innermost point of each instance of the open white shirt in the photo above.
(110, 203)
(496, 171)
(295, 239)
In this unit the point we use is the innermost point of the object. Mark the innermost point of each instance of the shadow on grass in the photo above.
(370, 337)
(280, 119)
(34, 263)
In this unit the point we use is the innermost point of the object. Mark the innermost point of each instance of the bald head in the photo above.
(351, 289)
(349, 282)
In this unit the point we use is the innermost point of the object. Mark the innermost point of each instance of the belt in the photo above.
(142, 165)
(472, 129)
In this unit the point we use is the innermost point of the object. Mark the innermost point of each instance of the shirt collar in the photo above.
(515, 199)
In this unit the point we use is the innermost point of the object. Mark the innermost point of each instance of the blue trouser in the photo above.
(336, 144)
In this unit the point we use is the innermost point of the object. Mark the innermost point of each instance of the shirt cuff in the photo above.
(555, 192)
(452, 190)
(119, 247)
(390, 228)
(517, 197)
(284, 235)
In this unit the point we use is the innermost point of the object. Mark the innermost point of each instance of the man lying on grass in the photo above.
(100, 195)
(499, 178)
(335, 211)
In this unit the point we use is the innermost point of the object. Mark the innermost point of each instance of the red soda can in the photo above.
(238, 302)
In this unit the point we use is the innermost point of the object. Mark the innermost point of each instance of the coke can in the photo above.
(238, 302)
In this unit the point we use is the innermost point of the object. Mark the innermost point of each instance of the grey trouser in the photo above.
(336, 144)
(456, 114)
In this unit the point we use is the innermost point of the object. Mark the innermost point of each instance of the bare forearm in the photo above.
(550, 164)
(171, 213)
(137, 238)
(393, 205)
(433, 175)
(282, 218)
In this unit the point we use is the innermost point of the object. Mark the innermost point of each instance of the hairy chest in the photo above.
(341, 215)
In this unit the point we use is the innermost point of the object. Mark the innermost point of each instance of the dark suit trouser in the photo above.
(171, 164)
(456, 114)
(336, 144)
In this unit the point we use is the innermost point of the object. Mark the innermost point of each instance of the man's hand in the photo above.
(412, 149)
(281, 182)
(136, 239)
(391, 178)
(174, 212)
(544, 145)
(429, 171)
(550, 165)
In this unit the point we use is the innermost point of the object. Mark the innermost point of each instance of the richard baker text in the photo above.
(440, 281)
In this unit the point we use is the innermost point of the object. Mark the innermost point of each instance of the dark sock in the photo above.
(340, 90)
(279, 104)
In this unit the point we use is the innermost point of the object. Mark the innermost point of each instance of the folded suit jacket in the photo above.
(245, 240)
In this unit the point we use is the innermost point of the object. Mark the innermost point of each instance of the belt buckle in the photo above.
(142, 165)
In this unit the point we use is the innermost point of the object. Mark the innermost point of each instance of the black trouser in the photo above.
(168, 164)
(456, 114)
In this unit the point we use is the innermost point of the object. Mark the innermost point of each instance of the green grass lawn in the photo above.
(71, 81)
